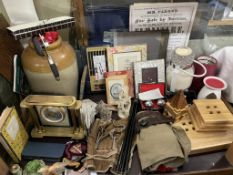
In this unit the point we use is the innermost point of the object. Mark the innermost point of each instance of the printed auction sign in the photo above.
(176, 17)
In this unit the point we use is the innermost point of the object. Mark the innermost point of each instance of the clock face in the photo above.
(115, 90)
(53, 114)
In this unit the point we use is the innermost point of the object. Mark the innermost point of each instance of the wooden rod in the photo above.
(81, 28)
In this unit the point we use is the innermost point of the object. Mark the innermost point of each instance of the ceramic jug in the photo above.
(39, 74)
(211, 66)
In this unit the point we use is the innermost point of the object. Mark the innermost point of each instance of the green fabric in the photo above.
(162, 144)
(183, 140)
(32, 167)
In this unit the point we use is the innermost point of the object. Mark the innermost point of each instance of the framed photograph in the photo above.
(122, 57)
(129, 74)
(149, 72)
(114, 85)
(97, 66)
(156, 41)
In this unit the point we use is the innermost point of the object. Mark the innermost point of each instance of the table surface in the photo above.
(207, 163)
(203, 164)
(213, 163)
(197, 164)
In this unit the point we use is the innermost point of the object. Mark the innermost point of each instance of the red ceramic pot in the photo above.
(211, 65)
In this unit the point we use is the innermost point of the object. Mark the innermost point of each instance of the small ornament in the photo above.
(123, 105)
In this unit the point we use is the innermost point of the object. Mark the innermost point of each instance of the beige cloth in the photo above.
(104, 142)
(162, 144)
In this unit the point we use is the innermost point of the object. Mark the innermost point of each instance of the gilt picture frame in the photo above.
(122, 57)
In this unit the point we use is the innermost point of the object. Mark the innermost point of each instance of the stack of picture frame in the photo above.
(135, 58)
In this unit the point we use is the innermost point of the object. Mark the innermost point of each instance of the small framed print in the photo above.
(122, 57)
(149, 72)
(97, 66)
(129, 74)
(114, 85)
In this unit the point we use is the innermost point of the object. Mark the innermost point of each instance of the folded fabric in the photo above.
(104, 142)
(162, 144)
(225, 63)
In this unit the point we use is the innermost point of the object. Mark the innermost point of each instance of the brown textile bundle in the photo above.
(104, 143)
(160, 144)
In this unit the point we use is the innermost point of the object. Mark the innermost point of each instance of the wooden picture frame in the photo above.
(13, 136)
(121, 57)
(159, 64)
(129, 73)
(114, 85)
(156, 41)
(97, 66)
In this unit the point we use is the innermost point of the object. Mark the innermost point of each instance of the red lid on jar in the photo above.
(51, 36)
(213, 82)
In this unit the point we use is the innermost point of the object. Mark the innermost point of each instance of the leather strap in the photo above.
(147, 118)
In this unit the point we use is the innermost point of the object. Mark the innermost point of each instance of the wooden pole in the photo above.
(81, 28)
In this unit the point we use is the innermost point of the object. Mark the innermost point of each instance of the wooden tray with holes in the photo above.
(204, 141)
(211, 115)
(213, 111)
(201, 126)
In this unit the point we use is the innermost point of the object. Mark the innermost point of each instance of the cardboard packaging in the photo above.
(3, 167)
(229, 154)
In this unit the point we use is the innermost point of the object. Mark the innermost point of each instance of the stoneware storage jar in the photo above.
(39, 74)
